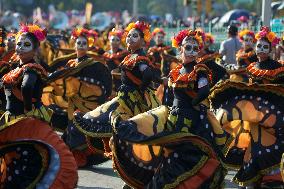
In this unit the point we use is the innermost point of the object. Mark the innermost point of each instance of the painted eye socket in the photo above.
(27, 44)
(84, 43)
(188, 47)
(265, 46)
(247, 40)
(259, 46)
(135, 35)
(19, 44)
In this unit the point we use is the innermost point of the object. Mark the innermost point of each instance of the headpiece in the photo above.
(177, 40)
(141, 26)
(158, 30)
(269, 35)
(38, 32)
(246, 32)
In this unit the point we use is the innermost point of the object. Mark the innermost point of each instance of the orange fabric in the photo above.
(130, 63)
(243, 55)
(262, 73)
(108, 152)
(203, 174)
(34, 129)
(159, 49)
(7, 56)
(176, 77)
(80, 158)
(133, 78)
(208, 57)
(117, 55)
(13, 76)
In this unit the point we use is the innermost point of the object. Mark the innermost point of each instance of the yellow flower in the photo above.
(270, 36)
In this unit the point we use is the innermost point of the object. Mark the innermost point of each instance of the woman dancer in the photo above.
(31, 154)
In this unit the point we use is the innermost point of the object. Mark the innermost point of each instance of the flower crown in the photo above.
(269, 35)
(91, 35)
(77, 32)
(39, 33)
(177, 40)
(246, 32)
(142, 26)
(116, 32)
(209, 37)
(158, 30)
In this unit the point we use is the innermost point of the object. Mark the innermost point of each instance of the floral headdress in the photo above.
(246, 32)
(116, 32)
(77, 32)
(209, 37)
(92, 37)
(39, 33)
(177, 40)
(142, 26)
(89, 34)
(158, 30)
(269, 35)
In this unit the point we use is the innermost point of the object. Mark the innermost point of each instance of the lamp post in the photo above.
(266, 12)
(135, 8)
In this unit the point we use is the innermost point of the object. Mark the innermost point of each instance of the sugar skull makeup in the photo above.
(262, 46)
(159, 38)
(248, 41)
(24, 45)
(114, 40)
(81, 43)
(133, 36)
(191, 47)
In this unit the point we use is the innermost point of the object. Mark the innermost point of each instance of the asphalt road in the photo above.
(103, 177)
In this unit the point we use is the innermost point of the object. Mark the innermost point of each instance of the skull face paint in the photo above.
(262, 46)
(190, 47)
(159, 38)
(133, 40)
(24, 45)
(114, 40)
(132, 37)
(248, 41)
(81, 43)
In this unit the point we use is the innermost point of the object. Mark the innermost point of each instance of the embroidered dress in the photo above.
(177, 148)
(31, 153)
(252, 114)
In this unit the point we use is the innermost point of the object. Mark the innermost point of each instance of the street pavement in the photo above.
(103, 177)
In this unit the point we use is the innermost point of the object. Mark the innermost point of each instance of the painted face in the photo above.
(132, 37)
(190, 47)
(133, 40)
(114, 40)
(248, 41)
(159, 38)
(24, 45)
(262, 47)
(81, 43)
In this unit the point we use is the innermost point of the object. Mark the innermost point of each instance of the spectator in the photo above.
(230, 47)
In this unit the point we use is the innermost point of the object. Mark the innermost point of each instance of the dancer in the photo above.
(134, 95)
(252, 114)
(245, 56)
(86, 84)
(115, 56)
(31, 154)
